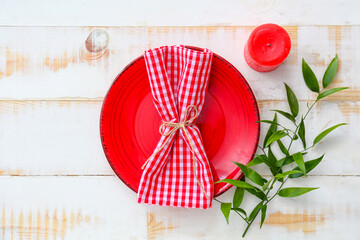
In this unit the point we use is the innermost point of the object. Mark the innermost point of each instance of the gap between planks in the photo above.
(100, 99)
(177, 26)
(5, 175)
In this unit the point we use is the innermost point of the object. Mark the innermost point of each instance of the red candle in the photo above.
(267, 47)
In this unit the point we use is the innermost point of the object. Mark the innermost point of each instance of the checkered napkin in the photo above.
(179, 79)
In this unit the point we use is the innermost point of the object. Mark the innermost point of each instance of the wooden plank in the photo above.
(53, 63)
(160, 13)
(339, 146)
(104, 208)
(40, 137)
(62, 137)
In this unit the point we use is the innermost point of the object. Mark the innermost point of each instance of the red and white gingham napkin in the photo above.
(178, 78)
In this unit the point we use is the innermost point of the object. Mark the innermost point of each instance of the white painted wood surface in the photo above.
(52, 62)
(89, 207)
(174, 13)
(62, 137)
(55, 182)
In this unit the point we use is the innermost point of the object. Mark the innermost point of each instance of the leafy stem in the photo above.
(282, 184)
(312, 105)
(241, 216)
(280, 168)
(249, 223)
(262, 149)
(306, 149)
(297, 126)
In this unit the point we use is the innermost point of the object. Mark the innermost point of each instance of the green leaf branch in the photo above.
(292, 165)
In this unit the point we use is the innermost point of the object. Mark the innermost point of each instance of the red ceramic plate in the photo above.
(130, 123)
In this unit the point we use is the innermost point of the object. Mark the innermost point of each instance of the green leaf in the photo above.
(263, 214)
(238, 183)
(294, 191)
(226, 208)
(284, 161)
(267, 121)
(330, 91)
(309, 77)
(255, 211)
(272, 161)
(285, 114)
(251, 174)
(309, 165)
(282, 148)
(271, 165)
(240, 210)
(258, 194)
(282, 175)
(299, 160)
(325, 132)
(279, 179)
(271, 130)
(280, 162)
(275, 136)
(330, 72)
(292, 100)
(257, 160)
(271, 156)
(238, 197)
(288, 160)
(302, 132)
(266, 185)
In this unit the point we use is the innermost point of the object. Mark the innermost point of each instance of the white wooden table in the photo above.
(55, 182)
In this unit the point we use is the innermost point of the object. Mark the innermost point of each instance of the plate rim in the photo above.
(246, 84)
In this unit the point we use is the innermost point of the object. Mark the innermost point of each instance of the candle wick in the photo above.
(269, 44)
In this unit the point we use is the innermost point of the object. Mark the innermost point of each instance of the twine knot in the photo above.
(174, 127)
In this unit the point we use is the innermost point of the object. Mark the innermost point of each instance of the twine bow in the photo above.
(175, 127)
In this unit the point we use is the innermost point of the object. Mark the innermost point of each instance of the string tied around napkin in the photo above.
(174, 127)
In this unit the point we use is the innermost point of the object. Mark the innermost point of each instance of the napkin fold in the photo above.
(178, 173)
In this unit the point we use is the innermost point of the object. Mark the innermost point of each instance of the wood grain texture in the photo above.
(62, 137)
(171, 13)
(304, 221)
(53, 63)
(104, 208)
(55, 182)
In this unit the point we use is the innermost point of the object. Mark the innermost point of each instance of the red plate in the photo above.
(130, 123)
